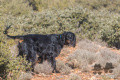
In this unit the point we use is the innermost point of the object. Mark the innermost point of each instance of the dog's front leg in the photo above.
(54, 65)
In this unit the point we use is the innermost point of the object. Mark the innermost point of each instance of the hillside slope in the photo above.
(79, 73)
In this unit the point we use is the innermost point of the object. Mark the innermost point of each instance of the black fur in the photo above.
(44, 47)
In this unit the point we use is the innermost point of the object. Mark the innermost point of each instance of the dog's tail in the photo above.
(6, 33)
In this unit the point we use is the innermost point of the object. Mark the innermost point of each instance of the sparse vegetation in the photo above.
(106, 55)
(62, 68)
(46, 68)
(74, 77)
(43, 68)
(116, 71)
(81, 59)
(14, 7)
(85, 58)
(11, 66)
(25, 76)
(88, 19)
(88, 45)
(58, 4)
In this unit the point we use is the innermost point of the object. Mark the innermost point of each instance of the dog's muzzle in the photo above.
(71, 43)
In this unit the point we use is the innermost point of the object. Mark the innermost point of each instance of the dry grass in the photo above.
(15, 7)
(100, 43)
(116, 71)
(106, 55)
(81, 59)
(85, 57)
(88, 45)
(14, 50)
(58, 4)
(74, 77)
(62, 68)
(101, 61)
(85, 67)
(45, 68)
(25, 76)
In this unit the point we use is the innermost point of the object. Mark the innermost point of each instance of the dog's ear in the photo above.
(74, 41)
(62, 39)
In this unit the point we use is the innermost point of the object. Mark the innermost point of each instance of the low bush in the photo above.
(116, 71)
(15, 7)
(10, 65)
(62, 67)
(106, 55)
(81, 59)
(110, 5)
(45, 68)
(42, 5)
(83, 22)
(88, 45)
(25, 76)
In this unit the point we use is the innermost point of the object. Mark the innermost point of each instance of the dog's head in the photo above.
(69, 39)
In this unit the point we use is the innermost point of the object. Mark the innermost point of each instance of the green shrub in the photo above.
(58, 4)
(110, 5)
(14, 7)
(3, 65)
(16, 66)
(111, 35)
(83, 22)
(92, 19)
(10, 65)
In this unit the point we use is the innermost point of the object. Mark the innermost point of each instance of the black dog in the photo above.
(45, 47)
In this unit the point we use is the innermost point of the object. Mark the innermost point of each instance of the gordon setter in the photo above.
(43, 47)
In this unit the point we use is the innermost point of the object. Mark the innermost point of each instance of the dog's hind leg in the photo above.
(32, 55)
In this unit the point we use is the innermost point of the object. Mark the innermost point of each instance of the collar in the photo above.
(60, 36)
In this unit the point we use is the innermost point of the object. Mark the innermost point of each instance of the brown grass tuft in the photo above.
(88, 45)
(106, 55)
(45, 67)
(62, 68)
(81, 59)
(116, 71)
(25, 76)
